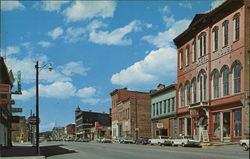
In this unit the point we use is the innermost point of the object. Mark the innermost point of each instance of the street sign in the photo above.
(16, 110)
(32, 120)
(7, 101)
(4, 88)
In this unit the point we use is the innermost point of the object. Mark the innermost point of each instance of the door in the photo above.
(226, 126)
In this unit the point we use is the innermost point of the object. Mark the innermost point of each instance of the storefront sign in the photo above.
(205, 136)
(159, 125)
(7, 101)
(4, 88)
(16, 110)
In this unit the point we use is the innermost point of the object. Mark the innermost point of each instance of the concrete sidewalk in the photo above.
(20, 151)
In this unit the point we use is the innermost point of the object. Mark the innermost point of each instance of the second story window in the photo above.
(173, 104)
(181, 59)
(225, 32)
(215, 38)
(194, 51)
(181, 96)
(236, 27)
(236, 78)
(187, 91)
(202, 44)
(215, 79)
(193, 89)
(169, 105)
(202, 85)
(225, 89)
(187, 55)
(164, 105)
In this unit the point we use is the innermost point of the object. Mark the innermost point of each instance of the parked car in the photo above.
(84, 140)
(159, 140)
(245, 144)
(106, 140)
(142, 140)
(126, 140)
(99, 139)
(185, 141)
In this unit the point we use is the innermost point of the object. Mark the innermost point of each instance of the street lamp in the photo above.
(37, 101)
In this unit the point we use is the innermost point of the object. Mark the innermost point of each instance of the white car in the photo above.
(245, 144)
(185, 141)
(158, 140)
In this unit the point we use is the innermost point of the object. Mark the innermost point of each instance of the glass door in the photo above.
(226, 126)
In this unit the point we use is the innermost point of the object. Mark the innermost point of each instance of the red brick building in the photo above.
(131, 113)
(213, 74)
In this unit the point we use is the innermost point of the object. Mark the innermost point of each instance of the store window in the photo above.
(237, 122)
(216, 120)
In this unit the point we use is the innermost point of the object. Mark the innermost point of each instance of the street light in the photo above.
(37, 101)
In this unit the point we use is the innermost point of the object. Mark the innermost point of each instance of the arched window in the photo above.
(181, 59)
(187, 93)
(181, 96)
(202, 85)
(202, 44)
(215, 38)
(194, 51)
(193, 89)
(187, 55)
(236, 77)
(225, 32)
(236, 26)
(215, 79)
(225, 82)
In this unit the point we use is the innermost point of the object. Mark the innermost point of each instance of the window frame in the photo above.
(236, 33)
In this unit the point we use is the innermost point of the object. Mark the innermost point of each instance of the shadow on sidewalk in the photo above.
(22, 151)
(53, 150)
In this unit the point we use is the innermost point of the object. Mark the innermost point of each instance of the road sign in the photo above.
(16, 110)
(4, 88)
(7, 101)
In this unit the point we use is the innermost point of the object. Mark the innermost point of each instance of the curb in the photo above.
(25, 157)
(218, 144)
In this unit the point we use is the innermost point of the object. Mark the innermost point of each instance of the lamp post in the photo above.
(37, 102)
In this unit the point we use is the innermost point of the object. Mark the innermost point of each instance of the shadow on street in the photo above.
(53, 150)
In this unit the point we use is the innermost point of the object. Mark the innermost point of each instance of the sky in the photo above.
(94, 48)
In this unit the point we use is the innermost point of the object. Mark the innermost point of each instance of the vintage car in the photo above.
(185, 141)
(142, 140)
(159, 140)
(126, 140)
(106, 140)
(245, 144)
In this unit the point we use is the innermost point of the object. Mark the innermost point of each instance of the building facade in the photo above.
(6, 83)
(131, 114)
(70, 131)
(213, 74)
(89, 123)
(163, 111)
(20, 131)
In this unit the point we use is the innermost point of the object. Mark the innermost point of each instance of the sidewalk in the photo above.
(219, 143)
(20, 151)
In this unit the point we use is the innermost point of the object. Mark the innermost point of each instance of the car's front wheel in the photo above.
(245, 147)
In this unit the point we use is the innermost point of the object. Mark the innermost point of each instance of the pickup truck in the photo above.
(185, 141)
(245, 144)
(159, 140)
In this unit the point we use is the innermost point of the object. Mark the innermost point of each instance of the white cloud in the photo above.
(74, 68)
(26, 94)
(53, 5)
(116, 37)
(216, 3)
(55, 33)
(169, 20)
(86, 92)
(11, 5)
(81, 10)
(91, 101)
(164, 39)
(156, 66)
(45, 44)
(10, 50)
(185, 4)
(149, 25)
(74, 34)
(165, 10)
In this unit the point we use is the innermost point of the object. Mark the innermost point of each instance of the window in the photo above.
(181, 60)
(225, 74)
(225, 33)
(215, 38)
(182, 126)
(202, 44)
(237, 27)
(153, 109)
(165, 107)
(193, 88)
(157, 109)
(168, 105)
(194, 51)
(187, 55)
(187, 96)
(202, 84)
(181, 96)
(236, 78)
(173, 104)
(215, 84)
(160, 108)
(216, 119)
(237, 122)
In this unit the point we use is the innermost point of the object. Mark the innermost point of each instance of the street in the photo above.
(80, 150)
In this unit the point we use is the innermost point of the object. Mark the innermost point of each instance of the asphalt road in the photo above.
(79, 150)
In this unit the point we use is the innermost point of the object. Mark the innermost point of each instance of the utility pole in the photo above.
(37, 109)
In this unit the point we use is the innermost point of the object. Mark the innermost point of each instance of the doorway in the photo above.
(226, 126)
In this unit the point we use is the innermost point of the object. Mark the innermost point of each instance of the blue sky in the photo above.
(94, 47)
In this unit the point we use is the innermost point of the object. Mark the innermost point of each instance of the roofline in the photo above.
(172, 86)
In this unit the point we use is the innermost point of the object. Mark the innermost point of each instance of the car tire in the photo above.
(183, 145)
(245, 147)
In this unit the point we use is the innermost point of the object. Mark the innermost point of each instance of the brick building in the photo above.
(163, 111)
(213, 74)
(131, 113)
(70, 130)
(20, 131)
